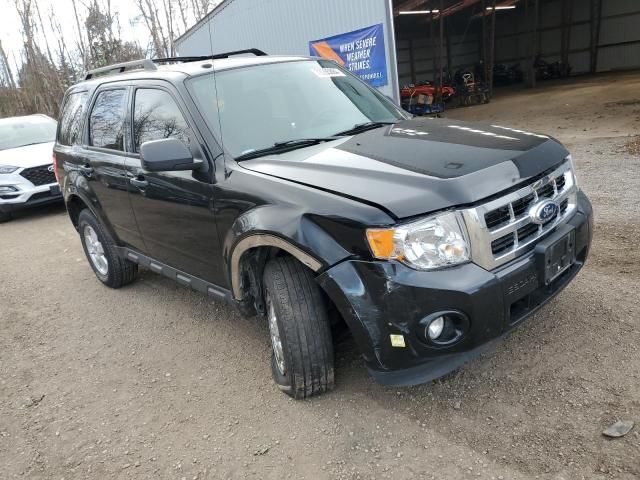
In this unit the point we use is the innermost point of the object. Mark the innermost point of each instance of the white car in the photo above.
(27, 176)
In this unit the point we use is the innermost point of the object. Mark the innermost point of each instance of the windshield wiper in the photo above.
(363, 127)
(283, 147)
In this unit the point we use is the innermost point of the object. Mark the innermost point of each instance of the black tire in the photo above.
(304, 329)
(120, 271)
(5, 217)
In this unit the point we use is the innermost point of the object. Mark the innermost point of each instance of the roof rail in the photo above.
(150, 64)
(254, 51)
(144, 64)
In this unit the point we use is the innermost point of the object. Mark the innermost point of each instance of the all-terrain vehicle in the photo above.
(293, 190)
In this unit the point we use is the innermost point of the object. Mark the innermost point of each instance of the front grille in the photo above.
(521, 206)
(548, 191)
(39, 175)
(527, 232)
(497, 217)
(501, 229)
(41, 195)
(502, 244)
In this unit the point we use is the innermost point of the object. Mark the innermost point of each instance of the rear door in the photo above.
(174, 210)
(102, 160)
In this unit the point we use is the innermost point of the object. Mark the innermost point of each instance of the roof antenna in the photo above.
(217, 102)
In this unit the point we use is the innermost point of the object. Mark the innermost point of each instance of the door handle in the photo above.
(139, 182)
(86, 169)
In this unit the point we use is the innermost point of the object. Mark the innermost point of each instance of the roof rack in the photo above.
(144, 64)
(254, 51)
(150, 64)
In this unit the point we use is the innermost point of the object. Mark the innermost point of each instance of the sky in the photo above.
(132, 26)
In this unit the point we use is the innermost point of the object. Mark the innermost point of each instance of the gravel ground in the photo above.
(156, 381)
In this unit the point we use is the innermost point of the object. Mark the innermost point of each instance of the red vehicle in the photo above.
(412, 91)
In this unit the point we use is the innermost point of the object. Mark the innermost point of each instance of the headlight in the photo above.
(7, 169)
(433, 242)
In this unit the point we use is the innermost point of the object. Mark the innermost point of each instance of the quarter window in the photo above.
(106, 123)
(157, 116)
(71, 118)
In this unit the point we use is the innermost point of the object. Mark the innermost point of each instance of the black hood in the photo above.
(419, 165)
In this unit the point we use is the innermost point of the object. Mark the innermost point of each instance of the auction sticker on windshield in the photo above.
(327, 72)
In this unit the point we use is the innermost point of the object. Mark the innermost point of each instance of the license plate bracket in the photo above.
(556, 253)
(54, 190)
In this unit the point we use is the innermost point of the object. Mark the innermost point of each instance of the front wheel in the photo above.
(5, 217)
(302, 357)
(99, 248)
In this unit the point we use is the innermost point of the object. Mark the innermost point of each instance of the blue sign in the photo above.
(361, 52)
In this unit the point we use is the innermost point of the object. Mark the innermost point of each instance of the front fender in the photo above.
(282, 227)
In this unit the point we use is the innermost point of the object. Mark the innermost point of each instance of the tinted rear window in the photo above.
(106, 123)
(71, 118)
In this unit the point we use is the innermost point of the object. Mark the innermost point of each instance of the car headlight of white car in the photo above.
(5, 169)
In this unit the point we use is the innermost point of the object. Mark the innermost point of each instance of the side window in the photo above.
(71, 118)
(106, 123)
(156, 115)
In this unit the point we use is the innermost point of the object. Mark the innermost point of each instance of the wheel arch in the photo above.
(75, 203)
(266, 246)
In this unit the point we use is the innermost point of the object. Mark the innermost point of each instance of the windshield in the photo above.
(18, 132)
(263, 105)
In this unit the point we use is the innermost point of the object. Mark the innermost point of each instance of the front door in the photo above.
(174, 210)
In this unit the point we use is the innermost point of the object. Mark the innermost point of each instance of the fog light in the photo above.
(444, 328)
(8, 189)
(435, 328)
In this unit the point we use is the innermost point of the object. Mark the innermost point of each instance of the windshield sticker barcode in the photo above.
(327, 72)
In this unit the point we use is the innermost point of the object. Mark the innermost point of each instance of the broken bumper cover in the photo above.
(380, 299)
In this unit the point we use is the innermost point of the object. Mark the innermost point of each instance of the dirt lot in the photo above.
(156, 381)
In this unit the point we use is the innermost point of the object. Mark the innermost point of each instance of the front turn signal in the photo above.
(381, 242)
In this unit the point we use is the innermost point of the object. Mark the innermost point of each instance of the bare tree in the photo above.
(81, 46)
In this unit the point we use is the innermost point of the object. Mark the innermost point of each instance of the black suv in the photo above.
(290, 188)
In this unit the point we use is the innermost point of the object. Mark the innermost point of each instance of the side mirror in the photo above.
(167, 154)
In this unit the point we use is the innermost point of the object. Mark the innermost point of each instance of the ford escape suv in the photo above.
(26, 174)
(290, 188)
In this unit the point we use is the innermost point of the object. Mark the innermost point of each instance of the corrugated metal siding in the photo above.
(285, 27)
(620, 23)
(622, 27)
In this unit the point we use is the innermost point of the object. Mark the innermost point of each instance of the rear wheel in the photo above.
(302, 357)
(99, 248)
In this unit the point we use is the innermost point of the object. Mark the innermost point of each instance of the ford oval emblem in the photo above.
(544, 211)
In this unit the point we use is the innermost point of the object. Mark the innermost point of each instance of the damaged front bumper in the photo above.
(385, 305)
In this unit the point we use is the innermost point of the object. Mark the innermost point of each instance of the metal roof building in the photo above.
(417, 39)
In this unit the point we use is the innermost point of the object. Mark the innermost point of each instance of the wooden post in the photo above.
(596, 20)
(492, 48)
(484, 38)
(565, 44)
(441, 51)
(533, 42)
(447, 37)
(412, 64)
(432, 44)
